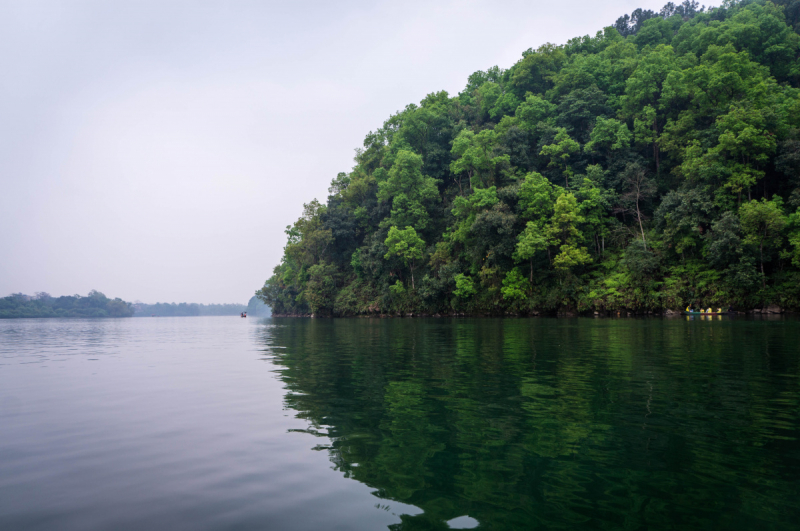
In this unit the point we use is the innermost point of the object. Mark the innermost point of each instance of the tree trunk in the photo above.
(655, 155)
(460, 189)
(655, 142)
(639, 217)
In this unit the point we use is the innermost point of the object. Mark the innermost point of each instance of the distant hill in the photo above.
(95, 304)
(256, 308)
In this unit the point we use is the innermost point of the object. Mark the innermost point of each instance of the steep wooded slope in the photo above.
(653, 165)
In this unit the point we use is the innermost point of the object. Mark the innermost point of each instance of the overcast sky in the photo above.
(156, 150)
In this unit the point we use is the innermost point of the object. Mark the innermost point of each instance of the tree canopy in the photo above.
(650, 166)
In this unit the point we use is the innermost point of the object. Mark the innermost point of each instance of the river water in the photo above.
(209, 423)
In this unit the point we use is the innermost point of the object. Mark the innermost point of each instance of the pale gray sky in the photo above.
(156, 150)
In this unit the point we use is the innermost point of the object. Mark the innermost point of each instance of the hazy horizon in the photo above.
(157, 151)
(33, 295)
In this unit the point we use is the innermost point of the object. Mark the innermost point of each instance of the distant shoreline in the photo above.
(96, 305)
(253, 307)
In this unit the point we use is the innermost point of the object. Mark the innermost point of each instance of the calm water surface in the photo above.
(228, 423)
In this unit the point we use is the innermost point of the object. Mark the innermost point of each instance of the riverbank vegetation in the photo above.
(95, 304)
(650, 166)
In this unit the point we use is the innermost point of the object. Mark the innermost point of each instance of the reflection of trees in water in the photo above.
(562, 424)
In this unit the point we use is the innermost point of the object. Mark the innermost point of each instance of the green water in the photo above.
(555, 424)
(223, 423)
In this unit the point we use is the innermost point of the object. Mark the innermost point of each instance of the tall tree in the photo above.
(560, 151)
(638, 187)
(763, 222)
(406, 245)
(409, 191)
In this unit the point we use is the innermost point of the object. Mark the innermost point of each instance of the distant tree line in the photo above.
(653, 165)
(95, 304)
(254, 307)
(165, 309)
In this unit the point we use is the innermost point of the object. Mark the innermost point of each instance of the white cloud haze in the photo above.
(157, 150)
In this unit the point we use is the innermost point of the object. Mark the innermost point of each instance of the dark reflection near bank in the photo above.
(556, 424)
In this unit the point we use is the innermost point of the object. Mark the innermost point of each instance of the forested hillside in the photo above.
(95, 304)
(651, 166)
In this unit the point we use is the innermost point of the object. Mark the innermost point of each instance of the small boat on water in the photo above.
(690, 311)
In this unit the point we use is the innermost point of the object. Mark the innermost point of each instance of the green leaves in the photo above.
(565, 220)
(560, 152)
(550, 171)
(515, 287)
(537, 196)
(608, 135)
(397, 289)
(320, 289)
(533, 239)
(571, 256)
(409, 191)
(762, 223)
(475, 156)
(793, 228)
(308, 238)
(406, 245)
(645, 85)
(466, 209)
(725, 242)
(562, 231)
(534, 110)
(465, 287)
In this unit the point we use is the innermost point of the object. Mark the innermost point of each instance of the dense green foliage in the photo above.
(95, 304)
(653, 165)
(183, 309)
